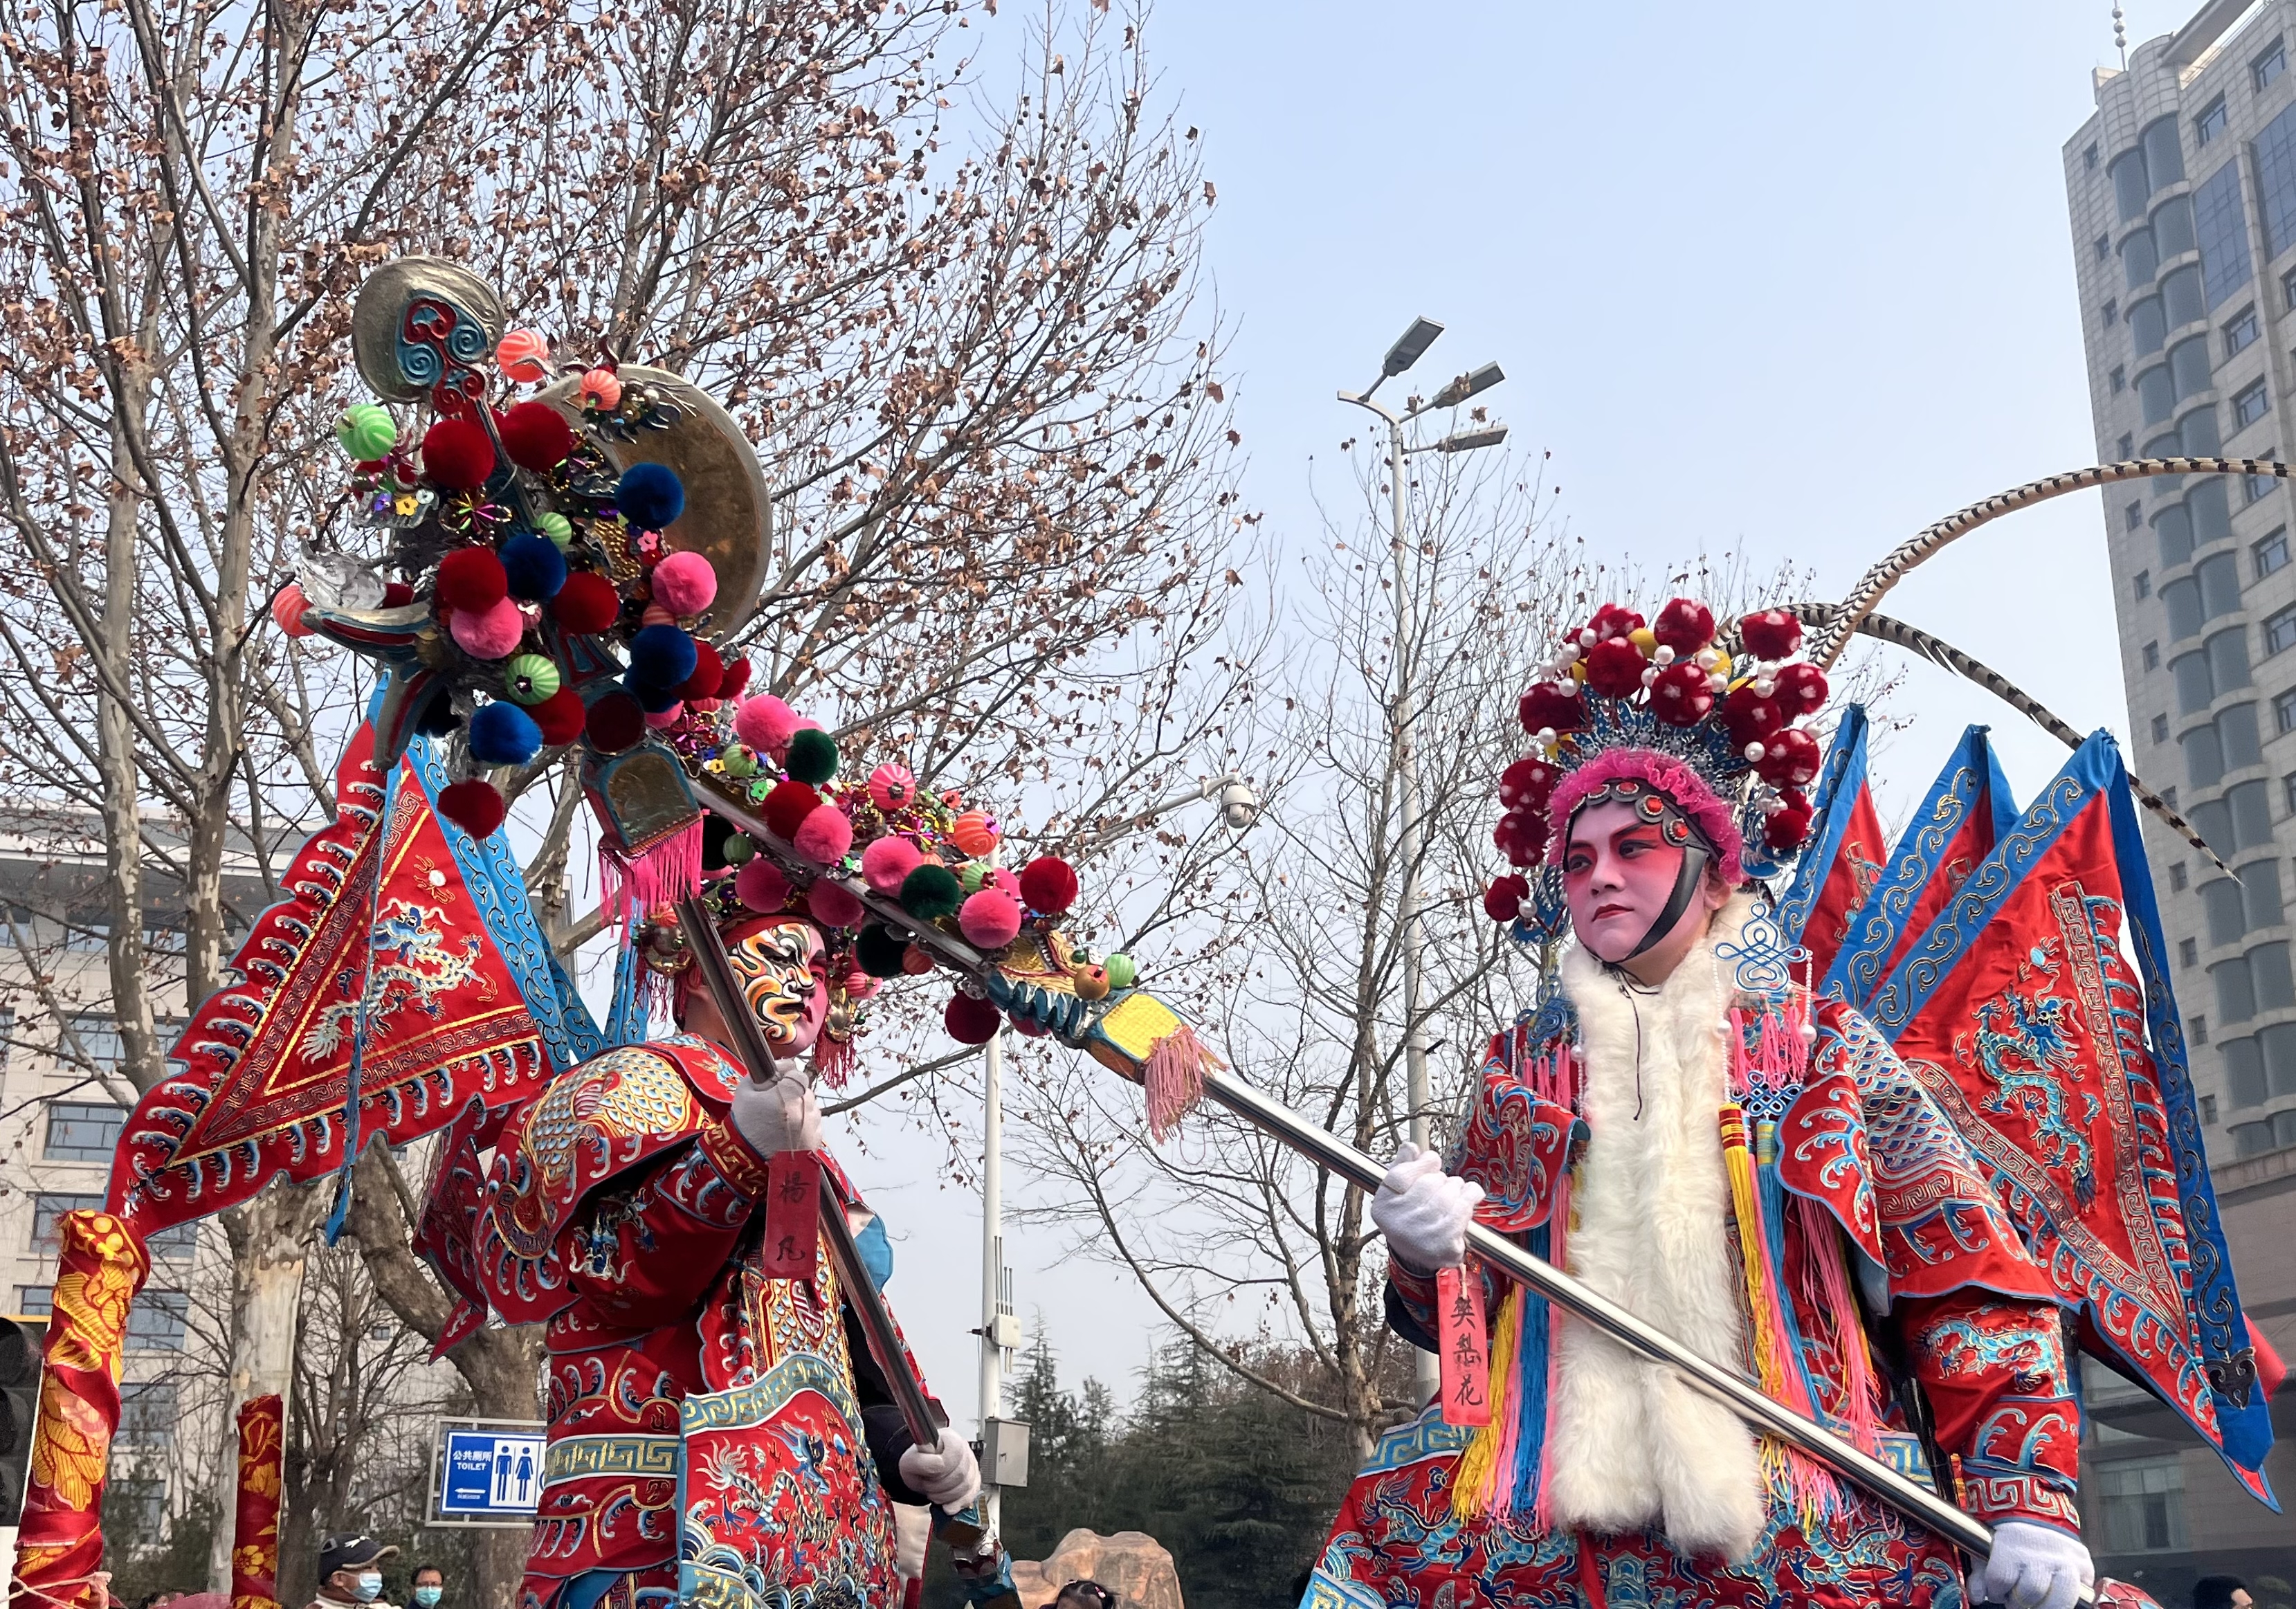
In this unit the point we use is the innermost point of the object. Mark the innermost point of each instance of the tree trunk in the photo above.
(270, 1242)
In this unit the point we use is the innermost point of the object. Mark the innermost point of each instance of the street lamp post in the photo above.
(1000, 1326)
(1408, 349)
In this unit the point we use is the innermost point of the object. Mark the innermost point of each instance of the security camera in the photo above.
(1239, 806)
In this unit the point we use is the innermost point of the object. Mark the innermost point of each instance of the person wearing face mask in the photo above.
(350, 1571)
(1742, 1164)
(430, 1587)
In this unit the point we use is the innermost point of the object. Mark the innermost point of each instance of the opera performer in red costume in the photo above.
(1744, 1165)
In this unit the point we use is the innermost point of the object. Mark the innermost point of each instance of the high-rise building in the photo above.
(2182, 190)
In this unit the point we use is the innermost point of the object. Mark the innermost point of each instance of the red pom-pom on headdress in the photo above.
(587, 604)
(1750, 718)
(473, 579)
(1771, 633)
(1789, 759)
(536, 436)
(1610, 621)
(1614, 669)
(1682, 695)
(1521, 836)
(1529, 783)
(475, 805)
(1801, 690)
(457, 455)
(1503, 901)
(1684, 626)
(1549, 707)
(1048, 884)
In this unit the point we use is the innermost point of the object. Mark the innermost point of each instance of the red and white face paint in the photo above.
(1619, 874)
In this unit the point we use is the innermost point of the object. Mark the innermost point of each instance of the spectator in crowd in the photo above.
(430, 1586)
(2221, 1592)
(1085, 1595)
(350, 1571)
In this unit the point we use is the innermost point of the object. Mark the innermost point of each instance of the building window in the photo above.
(98, 1040)
(2169, 798)
(2188, 952)
(177, 1244)
(2112, 313)
(2132, 516)
(2209, 1111)
(2176, 870)
(2239, 335)
(2267, 67)
(36, 1301)
(47, 1208)
(2220, 231)
(2199, 1029)
(2271, 552)
(2211, 123)
(2250, 405)
(78, 1133)
(2127, 448)
(135, 1510)
(2256, 487)
(148, 1412)
(2088, 157)
(2119, 380)
(2280, 631)
(2159, 728)
(2284, 712)
(2103, 247)
(2142, 1505)
(2152, 656)
(2143, 584)
(88, 938)
(156, 1323)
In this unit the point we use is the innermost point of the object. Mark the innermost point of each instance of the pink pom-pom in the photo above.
(891, 787)
(823, 836)
(1007, 882)
(834, 906)
(603, 386)
(488, 634)
(684, 582)
(658, 718)
(287, 610)
(524, 355)
(990, 918)
(760, 885)
(764, 723)
(888, 861)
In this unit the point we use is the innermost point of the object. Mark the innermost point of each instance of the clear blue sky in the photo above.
(1791, 279)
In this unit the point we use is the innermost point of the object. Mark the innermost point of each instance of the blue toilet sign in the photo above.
(486, 1470)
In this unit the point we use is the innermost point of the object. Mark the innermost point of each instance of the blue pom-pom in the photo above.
(504, 735)
(536, 570)
(651, 699)
(650, 495)
(661, 656)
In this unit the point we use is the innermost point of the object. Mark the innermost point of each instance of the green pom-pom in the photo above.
(1122, 973)
(972, 876)
(738, 761)
(530, 678)
(879, 952)
(930, 893)
(365, 430)
(557, 526)
(738, 850)
(811, 756)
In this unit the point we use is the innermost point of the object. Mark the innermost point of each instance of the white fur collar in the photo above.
(1632, 1445)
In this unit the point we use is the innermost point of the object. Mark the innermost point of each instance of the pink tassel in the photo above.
(1558, 1250)
(662, 873)
(1174, 1077)
(1858, 1414)
(832, 1061)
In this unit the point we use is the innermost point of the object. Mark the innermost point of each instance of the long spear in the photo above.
(1076, 1023)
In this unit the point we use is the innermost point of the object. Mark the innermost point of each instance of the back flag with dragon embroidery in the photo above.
(391, 905)
(2063, 1065)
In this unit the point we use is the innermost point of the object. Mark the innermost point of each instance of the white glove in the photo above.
(780, 1116)
(912, 1528)
(2035, 1567)
(1424, 1211)
(947, 1474)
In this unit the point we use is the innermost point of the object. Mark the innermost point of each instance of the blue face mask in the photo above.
(370, 1586)
(427, 1597)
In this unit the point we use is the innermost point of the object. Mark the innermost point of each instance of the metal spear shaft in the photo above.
(1319, 1145)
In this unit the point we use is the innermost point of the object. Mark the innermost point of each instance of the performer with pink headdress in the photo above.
(1696, 1135)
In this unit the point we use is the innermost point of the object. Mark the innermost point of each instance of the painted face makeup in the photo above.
(1620, 876)
(780, 972)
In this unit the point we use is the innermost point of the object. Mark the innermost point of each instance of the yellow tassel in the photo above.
(1760, 1320)
(1474, 1485)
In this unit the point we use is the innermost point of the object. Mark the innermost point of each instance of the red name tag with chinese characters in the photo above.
(792, 1215)
(1466, 1347)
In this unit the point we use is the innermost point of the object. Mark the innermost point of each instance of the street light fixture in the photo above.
(1467, 385)
(1467, 441)
(1409, 348)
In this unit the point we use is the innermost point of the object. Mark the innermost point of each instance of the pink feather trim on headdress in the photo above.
(1688, 791)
